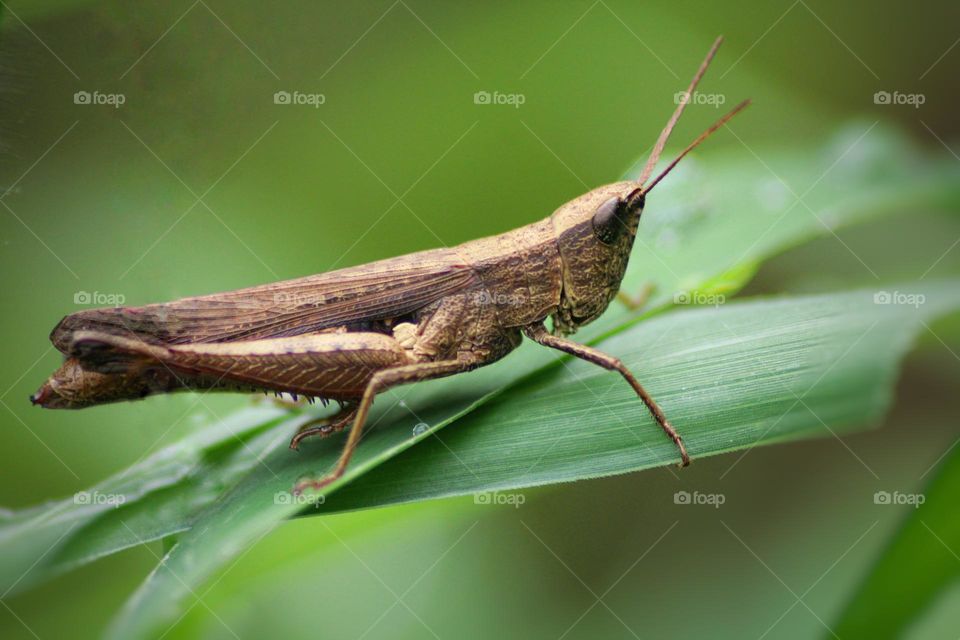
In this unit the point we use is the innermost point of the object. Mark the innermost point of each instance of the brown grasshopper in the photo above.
(350, 334)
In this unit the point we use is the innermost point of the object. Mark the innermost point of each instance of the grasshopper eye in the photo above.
(607, 223)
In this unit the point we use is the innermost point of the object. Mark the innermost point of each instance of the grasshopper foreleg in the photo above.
(538, 333)
(639, 300)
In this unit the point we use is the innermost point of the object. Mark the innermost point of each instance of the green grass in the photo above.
(731, 377)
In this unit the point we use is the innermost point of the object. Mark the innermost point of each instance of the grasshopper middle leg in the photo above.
(325, 426)
(538, 333)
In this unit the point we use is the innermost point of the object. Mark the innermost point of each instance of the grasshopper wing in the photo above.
(346, 297)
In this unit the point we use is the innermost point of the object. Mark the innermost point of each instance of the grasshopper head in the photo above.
(595, 234)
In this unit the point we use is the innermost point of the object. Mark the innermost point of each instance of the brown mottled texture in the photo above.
(350, 334)
(347, 297)
(335, 366)
(318, 335)
(75, 386)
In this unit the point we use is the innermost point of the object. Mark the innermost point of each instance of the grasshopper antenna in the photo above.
(662, 140)
(690, 147)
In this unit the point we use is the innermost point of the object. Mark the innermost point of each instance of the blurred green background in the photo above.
(199, 182)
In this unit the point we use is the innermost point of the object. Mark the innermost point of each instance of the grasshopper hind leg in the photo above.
(328, 425)
(381, 381)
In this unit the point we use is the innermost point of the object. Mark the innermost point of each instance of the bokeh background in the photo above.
(200, 182)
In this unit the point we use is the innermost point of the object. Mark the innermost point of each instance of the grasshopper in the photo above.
(350, 334)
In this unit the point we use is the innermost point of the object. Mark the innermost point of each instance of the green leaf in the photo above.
(920, 562)
(706, 229)
(158, 496)
(731, 377)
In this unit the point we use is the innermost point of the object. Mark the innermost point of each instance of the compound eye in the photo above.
(607, 225)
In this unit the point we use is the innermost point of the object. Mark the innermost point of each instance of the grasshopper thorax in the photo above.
(595, 233)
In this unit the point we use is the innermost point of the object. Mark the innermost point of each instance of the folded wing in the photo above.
(353, 296)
